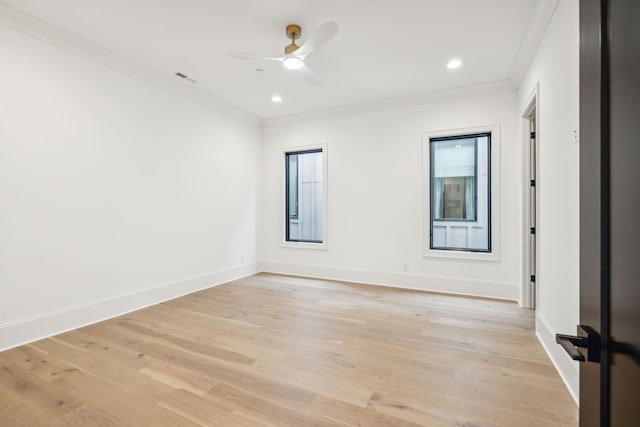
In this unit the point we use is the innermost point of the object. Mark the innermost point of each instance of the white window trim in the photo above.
(305, 245)
(494, 255)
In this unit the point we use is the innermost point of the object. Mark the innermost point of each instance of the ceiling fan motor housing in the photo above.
(293, 32)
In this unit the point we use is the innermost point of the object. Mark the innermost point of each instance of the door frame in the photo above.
(528, 292)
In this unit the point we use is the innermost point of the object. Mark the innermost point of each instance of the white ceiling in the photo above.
(385, 48)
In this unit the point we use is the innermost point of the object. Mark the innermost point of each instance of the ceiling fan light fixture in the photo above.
(453, 64)
(293, 63)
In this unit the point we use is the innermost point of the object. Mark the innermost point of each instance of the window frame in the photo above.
(304, 244)
(288, 184)
(432, 218)
(493, 197)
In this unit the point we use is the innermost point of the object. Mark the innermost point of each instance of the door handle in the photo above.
(570, 344)
(587, 338)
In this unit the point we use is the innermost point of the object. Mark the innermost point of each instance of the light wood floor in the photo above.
(274, 350)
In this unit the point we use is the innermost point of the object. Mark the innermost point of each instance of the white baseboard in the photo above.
(24, 331)
(449, 285)
(568, 369)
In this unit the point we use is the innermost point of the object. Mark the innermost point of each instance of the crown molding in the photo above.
(26, 24)
(542, 15)
(444, 95)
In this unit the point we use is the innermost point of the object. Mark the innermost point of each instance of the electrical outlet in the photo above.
(405, 266)
(241, 259)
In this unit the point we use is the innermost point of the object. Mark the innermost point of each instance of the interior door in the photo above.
(593, 201)
(608, 336)
(623, 29)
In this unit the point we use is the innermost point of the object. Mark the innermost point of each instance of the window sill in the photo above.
(472, 256)
(304, 245)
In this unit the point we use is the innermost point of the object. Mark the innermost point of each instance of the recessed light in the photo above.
(458, 146)
(276, 99)
(259, 70)
(453, 64)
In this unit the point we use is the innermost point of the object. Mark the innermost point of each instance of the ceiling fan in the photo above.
(295, 55)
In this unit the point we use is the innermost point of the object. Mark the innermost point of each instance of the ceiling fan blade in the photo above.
(309, 75)
(240, 55)
(321, 36)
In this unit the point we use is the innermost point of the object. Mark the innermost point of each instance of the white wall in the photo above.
(114, 194)
(555, 68)
(375, 196)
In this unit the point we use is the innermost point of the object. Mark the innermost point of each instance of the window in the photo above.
(460, 192)
(304, 196)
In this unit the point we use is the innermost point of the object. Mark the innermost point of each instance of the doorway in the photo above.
(529, 200)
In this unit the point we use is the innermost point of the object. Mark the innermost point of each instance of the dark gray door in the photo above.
(608, 337)
(624, 251)
(593, 227)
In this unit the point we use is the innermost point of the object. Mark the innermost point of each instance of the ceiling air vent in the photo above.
(184, 76)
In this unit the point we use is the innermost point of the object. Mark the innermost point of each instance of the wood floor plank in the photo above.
(87, 416)
(8, 404)
(240, 419)
(35, 393)
(351, 415)
(180, 378)
(263, 408)
(38, 362)
(271, 350)
(198, 347)
(25, 417)
(127, 407)
(339, 388)
(200, 410)
(108, 362)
